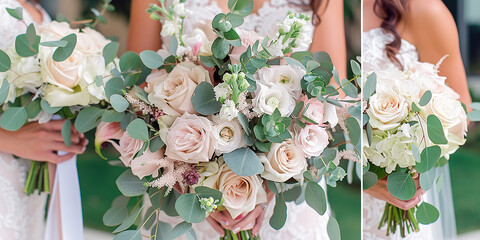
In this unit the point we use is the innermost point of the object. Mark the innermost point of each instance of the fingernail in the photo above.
(225, 223)
(239, 217)
(236, 230)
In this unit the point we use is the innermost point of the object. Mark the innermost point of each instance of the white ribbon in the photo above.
(64, 220)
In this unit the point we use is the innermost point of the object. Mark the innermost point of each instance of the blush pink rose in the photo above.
(190, 139)
(127, 148)
(284, 161)
(315, 110)
(312, 139)
(147, 164)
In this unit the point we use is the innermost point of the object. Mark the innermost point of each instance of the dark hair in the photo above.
(391, 12)
(313, 5)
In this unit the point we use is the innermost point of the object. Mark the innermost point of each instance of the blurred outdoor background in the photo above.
(97, 177)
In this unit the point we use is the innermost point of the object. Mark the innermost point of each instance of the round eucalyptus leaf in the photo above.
(427, 96)
(88, 119)
(429, 157)
(435, 130)
(369, 180)
(279, 217)
(13, 118)
(62, 53)
(115, 216)
(151, 59)
(333, 229)
(5, 63)
(401, 185)
(130, 185)
(204, 101)
(138, 129)
(315, 197)
(427, 213)
(244, 162)
(220, 48)
(427, 179)
(110, 52)
(188, 207)
(4, 91)
(180, 229)
(119, 103)
(129, 235)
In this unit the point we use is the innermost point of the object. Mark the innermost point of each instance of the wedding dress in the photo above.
(440, 195)
(21, 216)
(302, 221)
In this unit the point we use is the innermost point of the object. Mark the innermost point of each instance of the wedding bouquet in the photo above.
(53, 70)
(413, 122)
(226, 115)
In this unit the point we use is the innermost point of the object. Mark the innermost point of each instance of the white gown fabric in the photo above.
(21, 216)
(375, 59)
(302, 221)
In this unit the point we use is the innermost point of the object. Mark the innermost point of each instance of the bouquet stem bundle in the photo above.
(395, 217)
(242, 235)
(38, 178)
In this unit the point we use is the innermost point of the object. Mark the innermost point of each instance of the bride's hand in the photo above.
(380, 191)
(40, 142)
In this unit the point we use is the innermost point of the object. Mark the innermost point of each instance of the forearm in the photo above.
(6, 142)
(144, 33)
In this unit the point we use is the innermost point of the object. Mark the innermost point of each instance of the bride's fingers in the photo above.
(248, 220)
(216, 226)
(220, 218)
(258, 224)
(56, 159)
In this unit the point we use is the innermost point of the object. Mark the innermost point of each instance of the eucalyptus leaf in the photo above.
(151, 59)
(279, 217)
(112, 116)
(356, 69)
(115, 216)
(173, 46)
(370, 86)
(129, 235)
(204, 101)
(369, 180)
(429, 157)
(138, 129)
(16, 12)
(188, 207)
(130, 185)
(401, 185)
(205, 192)
(244, 122)
(427, 213)
(241, 7)
(59, 43)
(333, 229)
(119, 103)
(244, 162)
(13, 118)
(110, 52)
(4, 91)
(427, 96)
(114, 86)
(66, 132)
(155, 144)
(315, 197)
(427, 179)
(435, 130)
(349, 89)
(129, 221)
(354, 130)
(220, 48)
(31, 34)
(5, 63)
(47, 108)
(88, 119)
(180, 229)
(23, 47)
(62, 53)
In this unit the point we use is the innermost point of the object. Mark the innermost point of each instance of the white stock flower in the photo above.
(180, 10)
(228, 135)
(267, 99)
(228, 111)
(169, 28)
(222, 91)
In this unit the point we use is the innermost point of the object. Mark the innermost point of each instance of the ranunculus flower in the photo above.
(172, 92)
(267, 99)
(288, 76)
(147, 164)
(248, 39)
(387, 110)
(228, 135)
(241, 194)
(105, 132)
(284, 161)
(312, 139)
(190, 139)
(127, 148)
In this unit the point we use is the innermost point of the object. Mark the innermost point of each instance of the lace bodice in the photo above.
(374, 56)
(21, 216)
(263, 22)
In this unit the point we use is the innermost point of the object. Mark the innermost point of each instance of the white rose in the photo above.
(241, 193)
(24, 71)
(267, 99)
(288, 76)
(228, 111)
(312, 139)
(228, 135)
(284, 161)
(387, 110)
(172, 92)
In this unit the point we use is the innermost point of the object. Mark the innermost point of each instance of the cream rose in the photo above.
(314, 112)
(147, 164)
(66, 74)
(228, 135)
(54, 31)
(172, 93)
(128, 147)
(387, 109)
(312, 139)
(287, 76)
(190, 139)
(241, 194)
(267, 99)
(284, 161)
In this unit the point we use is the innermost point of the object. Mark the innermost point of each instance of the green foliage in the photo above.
(273, 127)
(110, 52)
(119, 103)
(23, 46)
(279, 217)
(16, 12)
(88, 118)
(369, 180)
(66, 132)
(114, 86)
(315, 197)
(13, 118)
(4, 91)
(241, 7)
(401, 185)
(370, 86)
(5, 63)
(314, 84)
(220, 48)
(47, 108)
(333, 229)
(427, 179)
(243, 162)
(129, 235)
(62, 53)
(151, 59)
(130, 185)
(117, 213)
(429, 157)
(138, 129)
(427, 96)
(180, 229)
(188, 207)
(129, 221)
(59, 43)
(204, 101)
(435, 130)
(427, 213)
